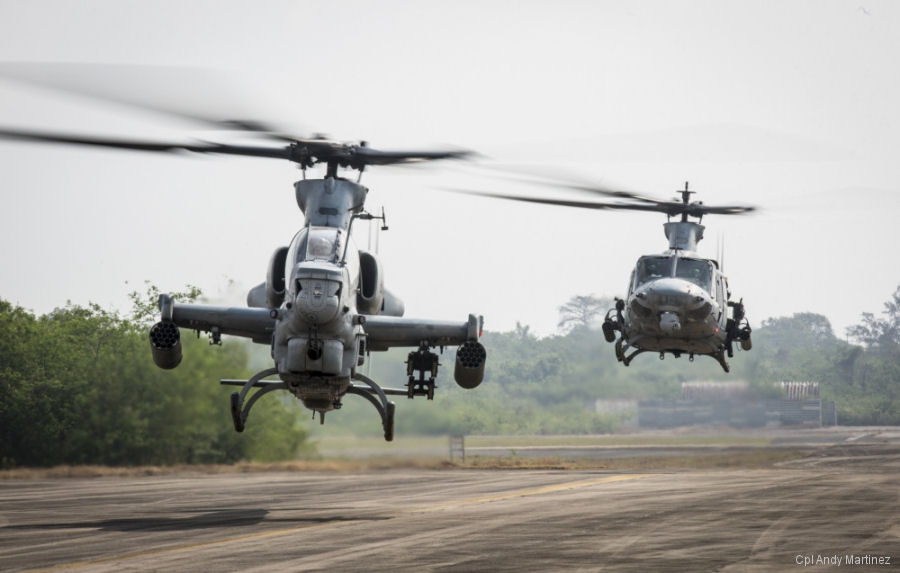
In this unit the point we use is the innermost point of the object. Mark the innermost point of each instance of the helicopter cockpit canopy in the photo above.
(697, 271)
(315, 244)
(323, 244)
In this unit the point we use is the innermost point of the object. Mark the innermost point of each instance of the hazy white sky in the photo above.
(791, 106)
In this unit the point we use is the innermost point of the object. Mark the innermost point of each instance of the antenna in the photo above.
(378, 229)
(722, 256)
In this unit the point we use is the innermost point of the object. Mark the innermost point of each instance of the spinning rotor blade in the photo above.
(699, 209)
(372, 156)
(547, 178)
(137, 145)
(204, 96)
(304, 152)
(638, 202)
(183, 93)
(558, 202)
(630, 201)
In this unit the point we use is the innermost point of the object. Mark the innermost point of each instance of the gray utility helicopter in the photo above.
(677, 301)
(323, 306)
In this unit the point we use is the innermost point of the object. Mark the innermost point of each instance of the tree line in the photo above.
(78, 386)
(549, 385)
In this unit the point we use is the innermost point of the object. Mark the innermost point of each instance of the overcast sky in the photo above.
(790, 106)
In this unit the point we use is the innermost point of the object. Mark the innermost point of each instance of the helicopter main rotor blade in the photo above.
(195, 94)
(547, 178)
(698, 210)
(306, 152)
(631, 201)
(152, 146)
(370, 156)
(670, 208)
(558, 202)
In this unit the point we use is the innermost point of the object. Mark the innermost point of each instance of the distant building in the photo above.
(732, 404)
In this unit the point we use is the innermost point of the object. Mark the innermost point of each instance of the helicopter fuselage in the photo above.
(318, 329)
(669, 313)
(678, 302)
(323, 308)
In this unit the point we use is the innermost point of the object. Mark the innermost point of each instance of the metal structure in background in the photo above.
(458, 448)
(730, 404)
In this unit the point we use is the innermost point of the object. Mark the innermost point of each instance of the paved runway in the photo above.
(837, 502)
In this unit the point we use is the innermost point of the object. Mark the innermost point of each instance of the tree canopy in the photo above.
(582, 311)
(78, 386)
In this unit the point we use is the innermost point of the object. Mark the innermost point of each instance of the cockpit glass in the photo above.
(322, 244)
(696, 271)
(652, 268)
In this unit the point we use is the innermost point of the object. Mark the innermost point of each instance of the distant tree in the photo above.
(880, 333)
(78, 386)
(523, 331)
(144, 306)
(802, 329)
(582, 311)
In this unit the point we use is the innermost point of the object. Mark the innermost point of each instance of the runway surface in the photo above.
(841, 500)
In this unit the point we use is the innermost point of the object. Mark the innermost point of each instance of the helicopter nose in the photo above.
(673, 301)
(317, 300)
(668, 291)
(318, 291)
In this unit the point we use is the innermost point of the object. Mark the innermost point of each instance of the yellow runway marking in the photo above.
(287, 531)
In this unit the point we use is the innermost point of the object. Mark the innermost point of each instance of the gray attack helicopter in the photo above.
(323, 306)
(678, 302)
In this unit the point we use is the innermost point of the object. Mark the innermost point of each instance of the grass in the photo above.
(619, 440)
(740, 459)
(344, 446)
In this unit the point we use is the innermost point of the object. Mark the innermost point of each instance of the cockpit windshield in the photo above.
(696, 271)
(322, 244)
(652, 268)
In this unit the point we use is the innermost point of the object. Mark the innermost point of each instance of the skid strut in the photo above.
(240, 406)
(377, 397)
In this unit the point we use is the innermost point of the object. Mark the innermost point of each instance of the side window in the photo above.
(295, 253)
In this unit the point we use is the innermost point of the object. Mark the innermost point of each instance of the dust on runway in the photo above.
(840, 499)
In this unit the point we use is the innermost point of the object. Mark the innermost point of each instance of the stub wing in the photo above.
(384, 332)
(254, 323)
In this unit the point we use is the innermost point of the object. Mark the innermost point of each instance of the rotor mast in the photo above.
(684, 235)
(685, 200)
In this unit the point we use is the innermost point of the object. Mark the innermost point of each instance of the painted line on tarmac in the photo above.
(530, 491)
(290, 530)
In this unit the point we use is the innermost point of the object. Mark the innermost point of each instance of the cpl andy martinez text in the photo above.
(838, 560)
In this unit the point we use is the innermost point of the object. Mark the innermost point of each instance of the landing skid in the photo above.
(719, 355)
(377, 396)
(622, 357)
(370, 390)
(620, 352)
(240, 407)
